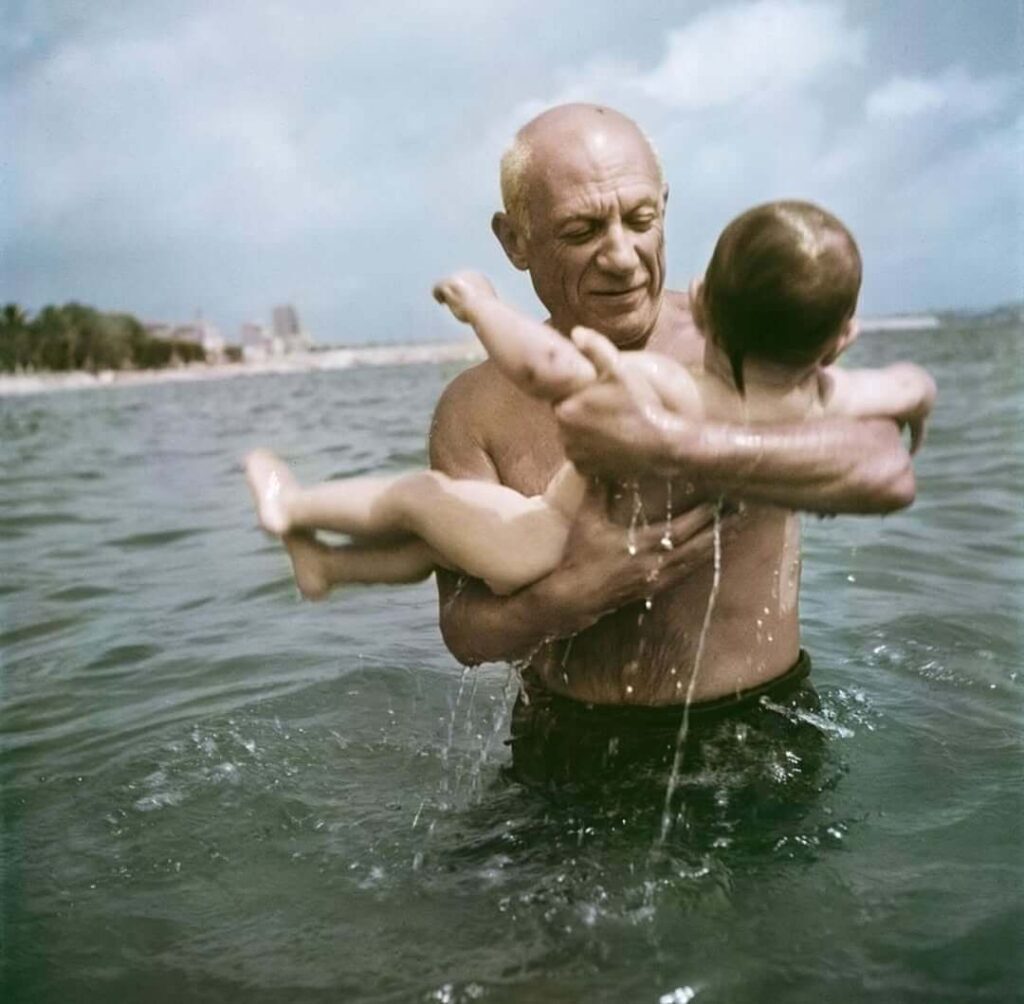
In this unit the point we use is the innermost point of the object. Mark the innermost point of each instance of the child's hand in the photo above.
(459, 290)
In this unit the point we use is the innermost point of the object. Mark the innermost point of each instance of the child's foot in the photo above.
(306, 554)
(457, 291)
(271, 484)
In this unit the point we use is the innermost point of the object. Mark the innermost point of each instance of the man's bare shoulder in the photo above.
(676, 334)
(464, 417)
(474, 393)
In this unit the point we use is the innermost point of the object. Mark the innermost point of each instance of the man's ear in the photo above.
(512, 240)
(664, 196)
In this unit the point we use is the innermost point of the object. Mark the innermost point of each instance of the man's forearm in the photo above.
(835, 465)
(613, 430)
(478, 626)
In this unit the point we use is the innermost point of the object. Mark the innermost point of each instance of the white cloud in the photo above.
(742, 51)
(955, 93)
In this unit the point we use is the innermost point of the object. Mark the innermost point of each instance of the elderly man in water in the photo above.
(606, 637)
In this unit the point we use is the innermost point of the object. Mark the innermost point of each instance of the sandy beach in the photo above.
(331, 359)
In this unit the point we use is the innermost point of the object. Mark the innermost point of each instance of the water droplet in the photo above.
(681, 995)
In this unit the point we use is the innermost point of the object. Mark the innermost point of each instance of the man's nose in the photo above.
(617, 253)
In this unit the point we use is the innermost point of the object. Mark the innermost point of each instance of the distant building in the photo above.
(285, 325)
(199, 332)
(258, 343)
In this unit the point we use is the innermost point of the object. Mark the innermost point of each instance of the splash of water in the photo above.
(508, 693)
(450, 737)
(684, 725)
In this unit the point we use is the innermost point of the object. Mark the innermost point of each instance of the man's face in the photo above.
(596, 248)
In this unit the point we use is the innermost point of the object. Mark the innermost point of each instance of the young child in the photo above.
(776, 308)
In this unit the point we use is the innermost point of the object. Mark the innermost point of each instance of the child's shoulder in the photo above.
(673, 383)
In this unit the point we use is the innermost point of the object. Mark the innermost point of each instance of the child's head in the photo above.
(781, 286)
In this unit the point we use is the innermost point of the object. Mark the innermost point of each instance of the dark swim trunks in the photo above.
(559, 739)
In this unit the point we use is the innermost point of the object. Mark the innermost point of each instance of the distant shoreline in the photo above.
(21, 384)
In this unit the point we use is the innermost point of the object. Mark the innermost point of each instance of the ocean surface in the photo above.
(212, 791)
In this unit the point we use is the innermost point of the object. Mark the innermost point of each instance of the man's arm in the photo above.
(833, 465)
(597, 574)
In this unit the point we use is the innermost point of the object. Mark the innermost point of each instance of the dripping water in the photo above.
(684, 725)
(636, 517)
(450, 737)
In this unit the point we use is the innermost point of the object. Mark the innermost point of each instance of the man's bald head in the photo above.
(536, 143)
(584, 215)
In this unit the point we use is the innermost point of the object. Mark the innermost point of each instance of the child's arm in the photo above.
(903, 392)
(655, 378)
(532, 355)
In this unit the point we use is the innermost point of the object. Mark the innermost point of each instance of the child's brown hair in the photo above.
(782, 282)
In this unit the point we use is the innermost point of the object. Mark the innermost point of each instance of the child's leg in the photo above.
(357, 506)
(484, 529)
(487, 530)
(532, 355)
(319, 568)
(565, 490)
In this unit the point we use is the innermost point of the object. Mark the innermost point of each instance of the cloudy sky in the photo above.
(168, 156)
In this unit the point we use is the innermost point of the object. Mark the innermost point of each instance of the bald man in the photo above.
(617, 625)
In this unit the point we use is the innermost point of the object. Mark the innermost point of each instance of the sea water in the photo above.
(212, 791)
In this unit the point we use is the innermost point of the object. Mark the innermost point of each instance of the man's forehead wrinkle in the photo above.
(590, 192)
(597, 198)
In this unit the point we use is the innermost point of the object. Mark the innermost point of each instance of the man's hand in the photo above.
(919, 388)
(901, 391)
(604, 567)
(615, 427)
(460, 290)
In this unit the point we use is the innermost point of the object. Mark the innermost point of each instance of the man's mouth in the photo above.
(618, 294)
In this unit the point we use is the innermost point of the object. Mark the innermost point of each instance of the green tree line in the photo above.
(76, 337)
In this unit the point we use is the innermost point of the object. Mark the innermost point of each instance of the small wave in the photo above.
(38, 630)
(195, 604)
(40, 519)
(72, 594)
(123, 655)
(275, 588)
(157, 538)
